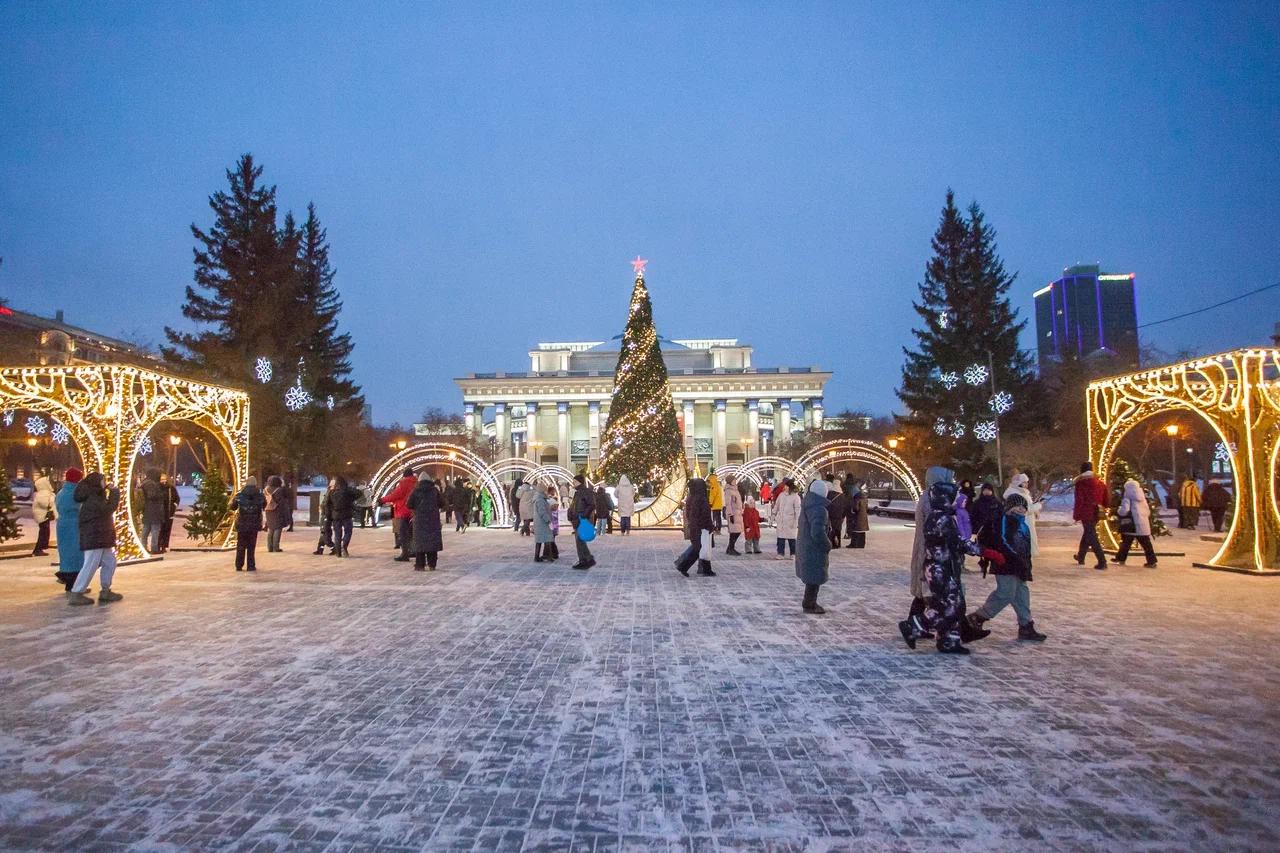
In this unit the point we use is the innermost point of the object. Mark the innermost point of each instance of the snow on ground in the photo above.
(327, 704)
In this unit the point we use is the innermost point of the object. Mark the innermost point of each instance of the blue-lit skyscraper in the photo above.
(1088, 314)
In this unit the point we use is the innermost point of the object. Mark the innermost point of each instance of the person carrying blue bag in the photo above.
(582, 508)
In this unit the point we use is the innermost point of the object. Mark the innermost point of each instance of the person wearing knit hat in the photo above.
(69, 557)
(813, 545)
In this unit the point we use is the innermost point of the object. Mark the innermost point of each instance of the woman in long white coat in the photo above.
(786, 517)
(1019, 486)
(625, 497)
(1134, 505)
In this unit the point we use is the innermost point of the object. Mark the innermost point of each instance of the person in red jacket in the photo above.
(751, 527)
(1092, 499)
(400, 512)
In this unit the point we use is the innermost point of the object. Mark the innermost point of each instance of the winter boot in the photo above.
(78, 598)
(684, 570)
(537, 552)
(106, 596)
(816, 609)
(953, 649)
(971, 628)
(318, 551)
(704, 568)
(908, 633)
(1029, 632)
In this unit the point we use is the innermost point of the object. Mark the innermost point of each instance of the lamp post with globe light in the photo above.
(1171, 430)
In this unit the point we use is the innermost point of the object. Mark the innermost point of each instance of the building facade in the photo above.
(27, 339)
(1088, 314)
(728, 409)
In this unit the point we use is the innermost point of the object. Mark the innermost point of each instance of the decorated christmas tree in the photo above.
(9, 528)
(641, 438)
(211, 507)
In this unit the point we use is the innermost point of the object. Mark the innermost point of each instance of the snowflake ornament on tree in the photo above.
(957, 430)
(985, 431)
(8, 417)
(950, 380)
(36, 425)
(1001, 402)
(145, 447)
(975, 374)
(296, 397)
(262, 369)
(940, 426)
(328, 402)
(59, 434)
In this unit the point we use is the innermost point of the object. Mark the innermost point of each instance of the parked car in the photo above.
(22, 488)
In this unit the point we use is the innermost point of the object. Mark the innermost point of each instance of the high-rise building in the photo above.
(1088, 314)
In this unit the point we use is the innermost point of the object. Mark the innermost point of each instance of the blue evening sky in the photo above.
(487, 170)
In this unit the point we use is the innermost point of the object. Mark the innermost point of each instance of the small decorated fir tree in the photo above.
(641, 438)
(9, 527)
(1121, 472)
(211, 507)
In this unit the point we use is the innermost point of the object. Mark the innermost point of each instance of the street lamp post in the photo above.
(174, 441)
(1172, 431)
(31, 445)
(893, 479)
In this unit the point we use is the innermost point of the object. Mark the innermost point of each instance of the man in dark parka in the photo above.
(813, 545)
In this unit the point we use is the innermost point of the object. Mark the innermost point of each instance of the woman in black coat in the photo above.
(98, 503)
(342, 512)
(698, 525)
(249, 504)
(428, 541)
(985, 515)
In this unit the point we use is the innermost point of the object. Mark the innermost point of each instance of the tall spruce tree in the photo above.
(641, 438)
(968, 326)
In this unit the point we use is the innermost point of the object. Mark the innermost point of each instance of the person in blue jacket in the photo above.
(70, 558)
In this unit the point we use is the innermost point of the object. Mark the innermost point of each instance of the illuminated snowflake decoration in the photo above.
(328, 401)
(950, 380)
(618, 441)
(36, 425)
(1001, 402)
(262, 369)
(944, 320)
(957, 430)
(975, 374)
(1222, 452)
(8, 417)
(940, 426)
(985, 431)
(296, 397)
(59, 434)
(145, 447)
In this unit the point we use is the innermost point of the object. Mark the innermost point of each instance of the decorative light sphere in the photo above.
(59, 434)
(262, 369)
(950, 380)
(1001, 402)
(36, 425)
(145, 447)
(985, 431)
(975, 374)
(296, 398)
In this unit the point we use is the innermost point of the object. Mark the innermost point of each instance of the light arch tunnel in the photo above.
(1237, 394)
(809, 466)
(109, 410)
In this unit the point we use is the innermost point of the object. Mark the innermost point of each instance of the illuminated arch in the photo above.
(1238, 394)
(754, 468)
(858, 450)
(443, 453)
(110, 408)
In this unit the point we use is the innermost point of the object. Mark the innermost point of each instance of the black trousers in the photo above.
(733, 540)
(1217, 515)
(810, 595)
(717, 519)
(584, 553)
(1089, 542)
(1126, 542)
(427, 558)
(246, 541)
(406, 536)
(42, 538)
(166, 530)
(833, 531)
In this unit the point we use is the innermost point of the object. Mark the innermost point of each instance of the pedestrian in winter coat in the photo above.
(751, 526)
(486, 508)
(1216, 499)
(1092, 504)
(604, 511)
(172, 500)
(98, 502)
(70, 558)
(515, 506)
(625, 495)
(715, 495)
(733, 515)
(859, 521)
(44, 512)
(1021, 485)
(1012, 561)
(935, 474)
(249, 505)
(463, 498)
(986, 518)
(786, 517)
(524, 497)
(541, 525)
(275, 510)
(401, 515)
(551, 551)
(837, 509)
(582, 507)
(153, 515)
(966, 489)
(1134, 517)
(813, 545)
(698, 525)
(364, 504)
(342, 513)
(1189, 504)
(427, 540)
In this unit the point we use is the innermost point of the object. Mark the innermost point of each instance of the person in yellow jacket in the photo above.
(1189, 504)
(715, 495)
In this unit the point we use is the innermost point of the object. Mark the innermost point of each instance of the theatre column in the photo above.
(782, 422)
(469, 418)
(816, 406)
(531, 432)
(593, 428)
(721, 433)
(689, 455)
(502, 429)
(562, 435)
(753, 429)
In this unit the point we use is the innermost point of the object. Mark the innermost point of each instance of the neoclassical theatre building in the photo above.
(728, 409)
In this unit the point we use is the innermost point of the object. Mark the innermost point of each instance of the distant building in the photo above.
(32, 339)
(1088, 314)
(728, 410)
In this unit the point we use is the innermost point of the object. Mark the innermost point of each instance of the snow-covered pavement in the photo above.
(326, 704)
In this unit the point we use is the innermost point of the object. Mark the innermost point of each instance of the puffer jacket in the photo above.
(97, 510)
(42, 500)
(697, 511)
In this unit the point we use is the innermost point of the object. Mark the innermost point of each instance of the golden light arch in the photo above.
(110, 408)
(1238, 394)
